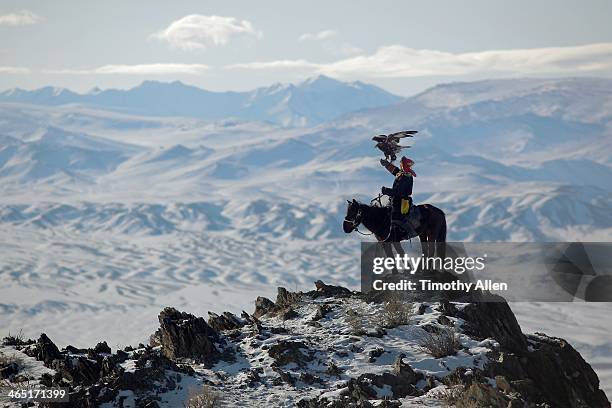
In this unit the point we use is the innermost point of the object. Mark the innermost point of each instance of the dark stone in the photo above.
(78, 370)
(9, 370)
(263, 306)
(495, 320)
(554, 373)
(374, 354)
(184, 335)
(333, 370)
(445, 321)
(45, 350)
(289, 314)
(285, 298)
(286, 352)
(284, 376)
(421, 309)
(331, 291)
(74, 350)
(404, 371)
(102, 347)
(322, 311)
(227, 321)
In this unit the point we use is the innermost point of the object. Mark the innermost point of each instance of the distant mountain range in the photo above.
(308, 103)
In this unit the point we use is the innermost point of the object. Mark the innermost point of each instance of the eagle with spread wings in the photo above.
(389, 144)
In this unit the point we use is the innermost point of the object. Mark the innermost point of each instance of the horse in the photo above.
(377, 219)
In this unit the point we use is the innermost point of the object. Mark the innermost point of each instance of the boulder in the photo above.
(45, 350)
(552, 373)
(286, 352)
(495, 320)
(102, 347)
(322, 311)
(263, 305)
(226, 321)
(284, 298)
(331, 291)
(183, 335)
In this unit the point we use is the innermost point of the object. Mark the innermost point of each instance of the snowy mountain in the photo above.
(310, 102)
(106, 209)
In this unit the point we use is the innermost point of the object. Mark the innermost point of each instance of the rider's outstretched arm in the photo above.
(389, 166)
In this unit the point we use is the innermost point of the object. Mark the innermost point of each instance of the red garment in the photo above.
(406, 165)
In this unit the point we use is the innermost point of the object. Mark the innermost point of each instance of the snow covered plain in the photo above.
(106, 217)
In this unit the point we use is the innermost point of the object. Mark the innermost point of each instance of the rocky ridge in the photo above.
(329, 347)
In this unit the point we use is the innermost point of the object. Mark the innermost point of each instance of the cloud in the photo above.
(14, 70)
(196, 31)
(397, 61)
(138, 69)
(318, 36)
(275, 65)
(23, 17)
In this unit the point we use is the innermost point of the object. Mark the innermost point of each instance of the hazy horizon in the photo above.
(402, 47)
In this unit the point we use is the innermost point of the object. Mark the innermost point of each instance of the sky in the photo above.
(403, 46)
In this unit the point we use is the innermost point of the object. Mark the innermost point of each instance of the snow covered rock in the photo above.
(336, 352)
(184, 335)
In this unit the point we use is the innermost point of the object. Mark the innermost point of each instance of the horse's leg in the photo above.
(389, 252)
(441, 237)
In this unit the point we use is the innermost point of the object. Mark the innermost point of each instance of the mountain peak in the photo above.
(321, 82)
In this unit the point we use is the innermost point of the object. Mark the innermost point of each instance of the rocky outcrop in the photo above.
(45, 350)
(182, 335)
(317, 357)
(494, 320)
(552, 372)
(225, 321)
(263, 305)
(286, 352)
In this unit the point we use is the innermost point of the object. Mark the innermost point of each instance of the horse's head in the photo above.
(353, 217)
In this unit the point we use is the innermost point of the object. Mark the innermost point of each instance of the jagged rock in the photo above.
(331, 291)
(359, 390)
(284, 298)
(78, 370)
(102, 347)
(184, 335)
(464, 376)
(421, 309)
(333, 370)
(447, 308)
(150, 369)
(227, 321)
(45, 350)
(286, 352)
(553, 373)
(445, 321)
(400, 385)
(284, 376)
(74, 350)
(495, 320)
(263, 305)
(322, 311)
(404, 371)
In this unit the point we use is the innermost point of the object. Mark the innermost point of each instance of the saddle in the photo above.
(411, 221)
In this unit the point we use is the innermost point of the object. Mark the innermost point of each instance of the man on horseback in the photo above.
(400, 194)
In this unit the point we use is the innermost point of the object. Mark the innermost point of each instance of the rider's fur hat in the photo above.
(406, 164)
